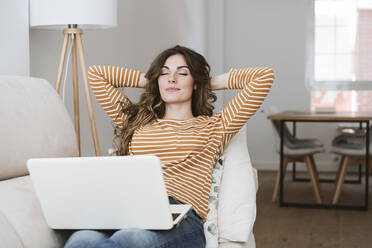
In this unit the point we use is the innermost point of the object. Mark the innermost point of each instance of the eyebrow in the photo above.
(178, 67)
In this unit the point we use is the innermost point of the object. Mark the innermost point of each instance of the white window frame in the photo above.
(312, 84)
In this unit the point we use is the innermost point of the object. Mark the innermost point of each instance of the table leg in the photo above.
(294, 163)
(281, 193)
(367, 166)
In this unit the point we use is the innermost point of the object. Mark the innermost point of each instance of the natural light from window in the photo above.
(342, 55)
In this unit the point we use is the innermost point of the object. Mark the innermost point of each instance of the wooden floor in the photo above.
(294, 227)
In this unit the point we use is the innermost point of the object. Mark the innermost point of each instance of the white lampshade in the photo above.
(87, 14)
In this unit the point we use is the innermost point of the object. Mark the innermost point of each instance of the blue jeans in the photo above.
(189, 233)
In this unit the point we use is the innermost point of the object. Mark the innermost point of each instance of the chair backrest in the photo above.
(288, 137)
(34, 123)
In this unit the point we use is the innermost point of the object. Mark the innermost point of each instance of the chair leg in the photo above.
(340, 180)
(277, 183)
(339, 169)
(314, 178)
(312, 160)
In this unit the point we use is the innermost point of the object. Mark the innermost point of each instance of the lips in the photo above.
(172, 89)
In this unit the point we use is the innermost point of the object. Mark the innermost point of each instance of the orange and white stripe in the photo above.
(188, 149)
(104, 81)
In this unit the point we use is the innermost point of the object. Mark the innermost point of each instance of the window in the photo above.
(343, 101)
(340, 61)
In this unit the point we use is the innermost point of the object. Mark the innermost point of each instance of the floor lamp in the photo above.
(72, 16)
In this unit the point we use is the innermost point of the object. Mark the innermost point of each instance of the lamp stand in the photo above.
(77, 45)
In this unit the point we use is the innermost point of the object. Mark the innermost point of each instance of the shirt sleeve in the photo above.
(104, 81)
(255, 84)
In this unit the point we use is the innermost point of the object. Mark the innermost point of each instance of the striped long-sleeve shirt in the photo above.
(188, 149)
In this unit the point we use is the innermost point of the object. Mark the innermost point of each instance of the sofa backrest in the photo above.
(34, 123)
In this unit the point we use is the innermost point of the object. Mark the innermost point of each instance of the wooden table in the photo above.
(303, 116)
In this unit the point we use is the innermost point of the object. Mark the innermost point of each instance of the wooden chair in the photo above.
(304, 155)
(297, 150)
(350, 156)
(311, 168)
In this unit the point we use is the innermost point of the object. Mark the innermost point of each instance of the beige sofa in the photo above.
(35, 123)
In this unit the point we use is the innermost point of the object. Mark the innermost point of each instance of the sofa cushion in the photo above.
(21, 218)
(8, 236)
(34, 123)
(237, 196)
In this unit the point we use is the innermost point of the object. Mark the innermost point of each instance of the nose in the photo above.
(171, 77)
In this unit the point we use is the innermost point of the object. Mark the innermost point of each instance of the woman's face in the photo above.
(175, 81)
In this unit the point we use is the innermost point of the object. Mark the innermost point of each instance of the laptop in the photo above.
(104, 193)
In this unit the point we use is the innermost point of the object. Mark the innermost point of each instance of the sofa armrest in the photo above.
(237, 196)
(21, 217)
(8, 236)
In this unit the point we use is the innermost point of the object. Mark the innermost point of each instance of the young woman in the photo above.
(174, 120)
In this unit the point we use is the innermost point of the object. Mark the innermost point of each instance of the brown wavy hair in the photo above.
(151, 106)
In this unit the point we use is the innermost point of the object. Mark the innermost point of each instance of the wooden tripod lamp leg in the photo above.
(87, 93)
(76, 93)
(62, 61)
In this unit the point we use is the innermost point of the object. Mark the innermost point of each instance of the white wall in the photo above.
(233, 33)
(14, 38)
